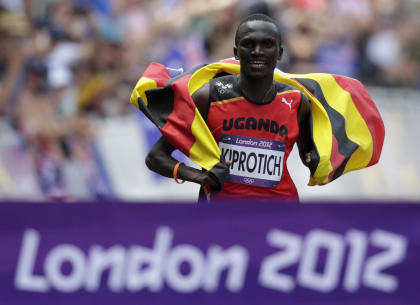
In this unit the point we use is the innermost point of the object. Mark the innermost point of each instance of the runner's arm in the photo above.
(304, 141)
(160, 159)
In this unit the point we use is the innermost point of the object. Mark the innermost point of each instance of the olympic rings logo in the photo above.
(249, 180)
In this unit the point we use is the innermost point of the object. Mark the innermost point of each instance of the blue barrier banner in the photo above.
(237, 253)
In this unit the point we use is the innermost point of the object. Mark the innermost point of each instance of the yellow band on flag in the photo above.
(347, 129)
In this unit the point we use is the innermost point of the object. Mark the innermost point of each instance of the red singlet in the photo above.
(256, 138)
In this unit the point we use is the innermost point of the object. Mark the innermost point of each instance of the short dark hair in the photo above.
(257, 17)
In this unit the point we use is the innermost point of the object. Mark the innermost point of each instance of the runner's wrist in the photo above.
(188, 173)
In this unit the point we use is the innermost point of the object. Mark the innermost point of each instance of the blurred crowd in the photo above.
(66, 63)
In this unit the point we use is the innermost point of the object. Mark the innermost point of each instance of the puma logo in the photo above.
(287, 103)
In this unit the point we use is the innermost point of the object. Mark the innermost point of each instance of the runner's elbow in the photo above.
(151, 161)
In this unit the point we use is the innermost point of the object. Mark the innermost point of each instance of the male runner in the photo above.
(256, 122)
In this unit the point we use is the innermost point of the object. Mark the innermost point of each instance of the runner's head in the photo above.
(257, 17)
(258, 46)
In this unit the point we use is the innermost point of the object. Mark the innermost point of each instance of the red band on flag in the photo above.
(158, 73)
(181, 118)
(336, 158)
(367, 110)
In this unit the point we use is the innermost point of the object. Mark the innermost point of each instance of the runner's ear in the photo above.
(235, 52)
(280, 53)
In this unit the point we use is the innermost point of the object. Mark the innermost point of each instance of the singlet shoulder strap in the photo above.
(281, 87)
(224, 88)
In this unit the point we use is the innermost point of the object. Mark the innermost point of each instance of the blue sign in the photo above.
(231, 253)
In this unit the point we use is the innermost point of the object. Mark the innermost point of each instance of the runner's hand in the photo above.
(208, 179)
(308, 158)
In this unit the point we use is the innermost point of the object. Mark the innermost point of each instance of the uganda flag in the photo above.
(347, 129)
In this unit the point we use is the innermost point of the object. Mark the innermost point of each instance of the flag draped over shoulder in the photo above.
(347, 129)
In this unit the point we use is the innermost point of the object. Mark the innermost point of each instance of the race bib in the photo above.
(255, 161)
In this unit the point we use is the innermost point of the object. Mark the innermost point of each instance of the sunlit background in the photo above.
(67, 68)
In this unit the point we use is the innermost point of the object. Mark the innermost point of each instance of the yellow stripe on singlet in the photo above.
(243, 98)
(289, 91)
(227, 101)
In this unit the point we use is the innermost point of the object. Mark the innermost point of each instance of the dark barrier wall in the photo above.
(114, 253)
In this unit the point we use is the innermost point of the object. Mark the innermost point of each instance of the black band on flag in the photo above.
(346, 147)
(163, 104)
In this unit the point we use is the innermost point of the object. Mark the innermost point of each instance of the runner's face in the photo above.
(258, 49)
